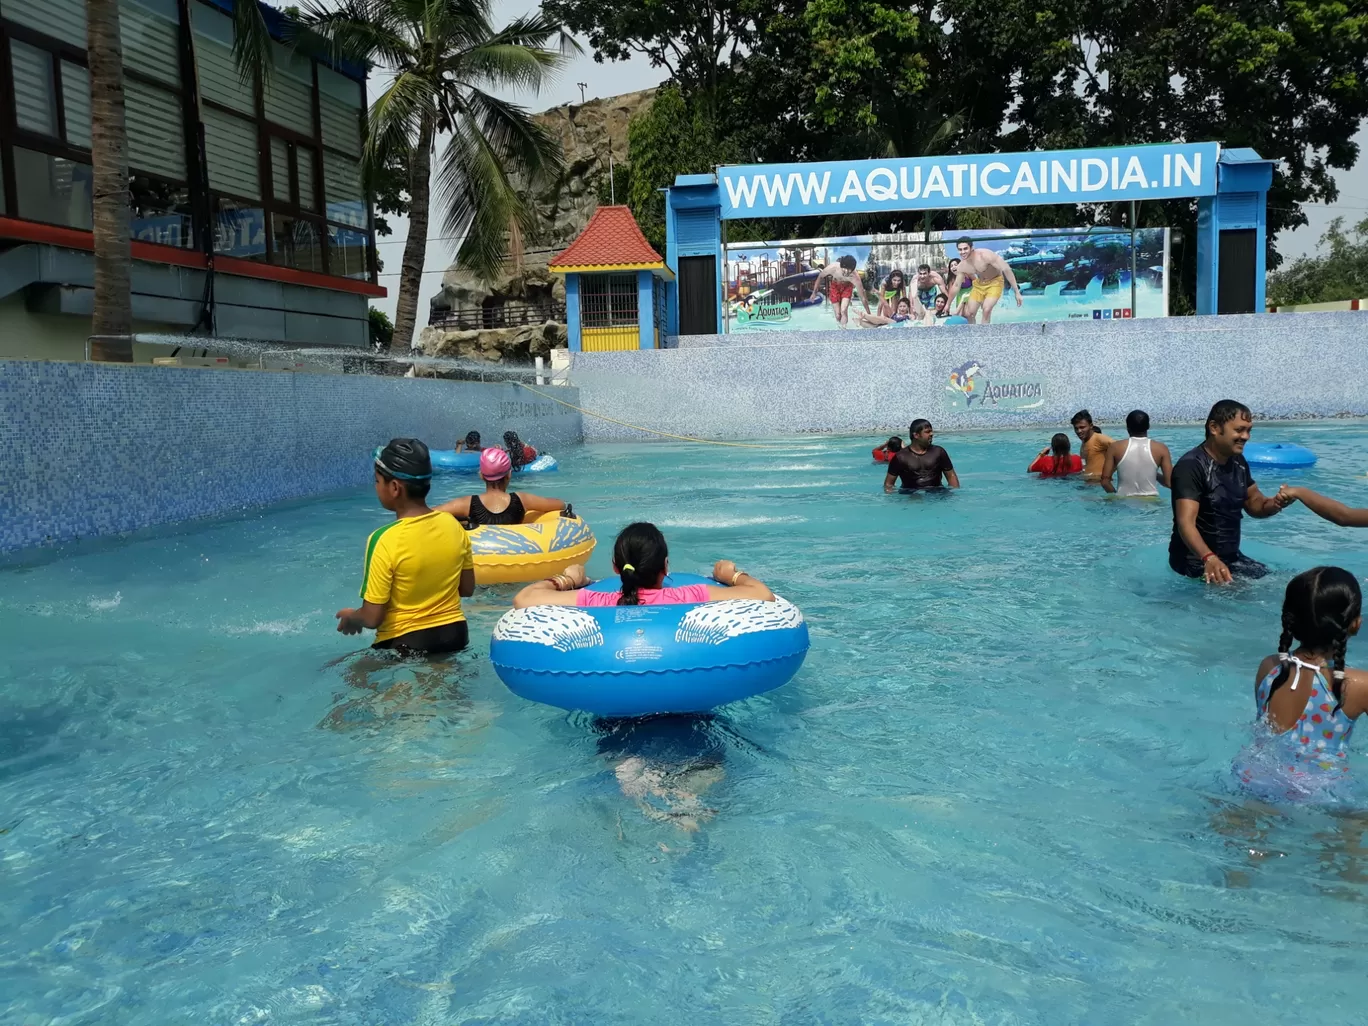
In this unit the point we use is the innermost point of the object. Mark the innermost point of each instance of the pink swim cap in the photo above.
(495, 464)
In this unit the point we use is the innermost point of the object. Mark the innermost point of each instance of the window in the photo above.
(348, 252)
(231, 148)
(239, 229)
(282, 160)
(52, 189)
(608, 300)
(76, 104)
(35, 99)
(161, 212)
(297, 243)
(342, 185)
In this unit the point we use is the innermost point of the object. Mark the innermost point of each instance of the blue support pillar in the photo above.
(572, 312)
(693, 228)
(646, 308)
(1226, 221)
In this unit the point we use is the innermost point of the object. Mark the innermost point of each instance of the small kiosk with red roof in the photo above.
(614, 285)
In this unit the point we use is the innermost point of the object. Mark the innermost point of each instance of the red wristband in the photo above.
(1209, 555)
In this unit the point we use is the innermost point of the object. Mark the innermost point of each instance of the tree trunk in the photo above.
(109, 155)
(415, 248)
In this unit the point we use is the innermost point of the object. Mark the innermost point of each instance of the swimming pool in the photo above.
(994, 793)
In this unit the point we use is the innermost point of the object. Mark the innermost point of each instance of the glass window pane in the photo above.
(52, 189)
(150, 35)
(304, 169)
(60, 19)
(348, 254)
(76, 102)
(343, 191)
(297, 243)
(161, 212)
(280, 170)
(239, 230)
(35, 103)
(230, 146)
(156, 130)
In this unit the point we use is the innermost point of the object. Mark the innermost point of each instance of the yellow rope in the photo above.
(649, 431)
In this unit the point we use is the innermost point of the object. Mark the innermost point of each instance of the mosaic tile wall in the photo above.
(741, 386)
(97, 449)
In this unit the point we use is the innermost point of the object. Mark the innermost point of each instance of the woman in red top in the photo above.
(884, 453)
(1057, 460)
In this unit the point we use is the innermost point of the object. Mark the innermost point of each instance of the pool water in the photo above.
(995, 793)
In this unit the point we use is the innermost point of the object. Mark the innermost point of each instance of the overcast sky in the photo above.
(611, 79)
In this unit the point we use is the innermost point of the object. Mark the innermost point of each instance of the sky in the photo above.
(610, 79)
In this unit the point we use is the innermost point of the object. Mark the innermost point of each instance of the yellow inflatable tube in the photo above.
(544, 544)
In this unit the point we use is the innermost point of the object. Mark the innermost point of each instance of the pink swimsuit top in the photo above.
(689, 593)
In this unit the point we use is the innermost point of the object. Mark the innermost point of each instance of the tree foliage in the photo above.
(1337, 273)
(845, 79)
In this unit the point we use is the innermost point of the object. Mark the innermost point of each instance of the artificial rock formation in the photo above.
(495, 345)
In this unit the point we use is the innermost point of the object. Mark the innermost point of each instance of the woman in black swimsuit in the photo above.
(498, 505)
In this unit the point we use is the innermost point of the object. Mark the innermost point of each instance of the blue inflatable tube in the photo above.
(451, 460)
(1278, 454)
(646, 660)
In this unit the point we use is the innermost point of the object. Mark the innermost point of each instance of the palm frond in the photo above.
(396, 116)
(479, 201)
(521, 145)
(251, 42)
(362, 31)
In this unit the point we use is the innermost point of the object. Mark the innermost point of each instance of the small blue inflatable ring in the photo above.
(466, 460)
(647, 660)
(1278, 454)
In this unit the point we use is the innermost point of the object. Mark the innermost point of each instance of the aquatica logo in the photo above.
(972, 387)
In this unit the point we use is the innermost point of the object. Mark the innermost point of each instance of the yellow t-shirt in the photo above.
(414, 567)
(1095, 455)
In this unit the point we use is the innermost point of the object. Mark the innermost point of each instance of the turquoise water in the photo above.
(994, 794)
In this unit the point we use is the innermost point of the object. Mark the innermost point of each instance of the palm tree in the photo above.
(112, 326)
(444, 56)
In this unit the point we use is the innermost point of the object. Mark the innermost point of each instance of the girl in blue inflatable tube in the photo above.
(642, 559)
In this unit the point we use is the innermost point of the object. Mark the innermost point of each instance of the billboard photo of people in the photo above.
(918, 280)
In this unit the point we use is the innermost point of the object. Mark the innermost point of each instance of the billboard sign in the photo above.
(875, 282)
(1159, 171)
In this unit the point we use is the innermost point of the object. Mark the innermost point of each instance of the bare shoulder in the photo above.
(1160, 447)
(1354, 695)
(1266, 667)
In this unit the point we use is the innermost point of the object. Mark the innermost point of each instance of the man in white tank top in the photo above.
(1139, 463)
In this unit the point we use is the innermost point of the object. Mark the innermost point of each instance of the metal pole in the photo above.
(612, 186)
(1134, 312)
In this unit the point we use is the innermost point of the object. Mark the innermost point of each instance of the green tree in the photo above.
(1337, 273)
(691, 40)
(381, 329)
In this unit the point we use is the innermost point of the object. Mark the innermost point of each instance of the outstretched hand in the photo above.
(1286, 496)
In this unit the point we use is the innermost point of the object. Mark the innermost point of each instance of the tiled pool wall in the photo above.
(97, 449)
(740, 386)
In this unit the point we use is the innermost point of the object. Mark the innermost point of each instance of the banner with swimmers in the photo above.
(907, 279)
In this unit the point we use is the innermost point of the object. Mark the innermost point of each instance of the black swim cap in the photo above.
(405, 458)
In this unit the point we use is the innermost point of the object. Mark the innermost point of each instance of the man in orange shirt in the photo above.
(1095, 445)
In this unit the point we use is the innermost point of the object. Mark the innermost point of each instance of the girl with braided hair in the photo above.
(1307, 700)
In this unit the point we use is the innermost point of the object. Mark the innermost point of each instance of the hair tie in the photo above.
(629, 567)
(1338, 674)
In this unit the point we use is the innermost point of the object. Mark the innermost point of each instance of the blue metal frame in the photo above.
(1231, 187)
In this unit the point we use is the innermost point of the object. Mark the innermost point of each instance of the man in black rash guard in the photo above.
(921, 464)
(1212, 489)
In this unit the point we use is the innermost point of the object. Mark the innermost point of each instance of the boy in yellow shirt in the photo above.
(418, 568)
